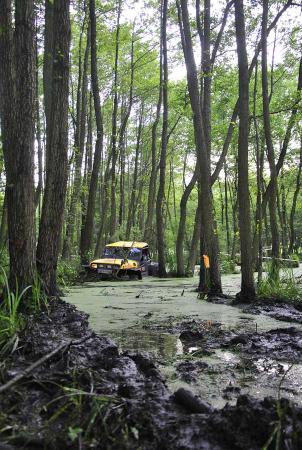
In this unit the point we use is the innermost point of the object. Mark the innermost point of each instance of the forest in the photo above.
(175, 124)
(132, 123)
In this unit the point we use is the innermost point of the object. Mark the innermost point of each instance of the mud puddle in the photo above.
(164, 317)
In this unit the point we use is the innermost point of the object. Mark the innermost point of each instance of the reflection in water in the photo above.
(161, 345)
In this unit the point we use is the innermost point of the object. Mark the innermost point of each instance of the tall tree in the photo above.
(114, 153)
(133, 196)
(79, 153)
(207, 215)
(57, 147)
(163, 153)
(247, 292)
(269, 144)
(17, 91)
(87, 227)
(292, 234)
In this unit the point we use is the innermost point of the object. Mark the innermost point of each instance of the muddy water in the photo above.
(126, 311)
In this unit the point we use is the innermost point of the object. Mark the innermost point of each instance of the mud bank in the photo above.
(285, 312)
(220, 364)
(89, 395)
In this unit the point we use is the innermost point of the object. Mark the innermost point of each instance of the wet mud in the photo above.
(282, 311)
(219, 363)
(92, 395)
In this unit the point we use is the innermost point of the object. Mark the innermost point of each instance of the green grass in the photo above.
(11, 320)
(285, 288)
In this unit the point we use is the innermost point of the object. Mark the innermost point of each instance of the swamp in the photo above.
(150, 225)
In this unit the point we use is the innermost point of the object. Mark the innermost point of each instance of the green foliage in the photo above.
(227, 265)
(39, 298)
(171, 261)
(67, 272)
(284, 288)
(11, 320)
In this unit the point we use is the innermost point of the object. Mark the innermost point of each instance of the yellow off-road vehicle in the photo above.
(123, 258)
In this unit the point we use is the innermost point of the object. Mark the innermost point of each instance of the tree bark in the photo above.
(207, 218)
(114, 153)
(79, 152)
(292, 234)
(17, 89)
(148, 234)
(269, 145)
(131, 207)
(182, 224)
(164, 140)
(247, 292)
(57, 147)
(87, 230)
(122, 135)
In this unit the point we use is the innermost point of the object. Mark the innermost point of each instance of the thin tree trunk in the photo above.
(226, 212)
(258, 249)
(131, 207)
(122, 136)
(292, 234)
(283, 217)
(57, 148)
(3, 226)
(39, 188)
(269, 145)
(162, 163)
(114, 153)
(194, 247)
(153, 175)
(79, 152)
(182, 224)
(87, 229)
(48, 65)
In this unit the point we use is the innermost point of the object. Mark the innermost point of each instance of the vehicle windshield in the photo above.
(122, 252)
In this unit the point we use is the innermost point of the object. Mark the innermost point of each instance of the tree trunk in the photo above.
(131, 207)
(79, 152)
(194, 247)
(292, 234)
(87, 230)
(122, 135)
(57, 147)
(269, 145)
(148, 234)
(114, 153)
(182, 224)
(207, 219)
(162, 163)
(48, 65)
(247, 292)
(17, 90)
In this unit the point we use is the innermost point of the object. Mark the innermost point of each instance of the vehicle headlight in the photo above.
(134, 264)
(94, 266)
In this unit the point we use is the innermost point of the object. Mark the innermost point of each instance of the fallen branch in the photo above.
(40, 361)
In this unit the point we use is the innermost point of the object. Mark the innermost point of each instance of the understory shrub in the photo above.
(283, 288)
(67, 272)
(227, 265)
